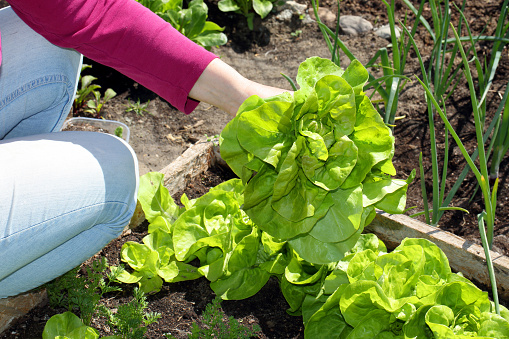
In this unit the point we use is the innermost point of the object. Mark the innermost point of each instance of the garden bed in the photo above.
(193, 173)
(160, 136)
(180, 304)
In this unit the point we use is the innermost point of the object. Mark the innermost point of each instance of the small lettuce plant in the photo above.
(153, 261)
(191, 21)
(68, 325)
(233, 254)
(407, 293)
(247, 8)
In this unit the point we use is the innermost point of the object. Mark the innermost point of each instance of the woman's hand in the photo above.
(222, 86)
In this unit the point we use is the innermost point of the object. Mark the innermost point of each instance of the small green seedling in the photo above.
(214, 139)
(131, 321)
(137, 107)
(214, 325)
(86, 89)
(296, 34)
(119, 131)
(247, 8)
(95, 105)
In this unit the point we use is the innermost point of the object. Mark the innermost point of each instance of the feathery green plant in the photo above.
(136, 107)
(131, 320)
(215, 327)
(82, 292)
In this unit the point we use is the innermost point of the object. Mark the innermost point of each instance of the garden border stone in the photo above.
(13, 308)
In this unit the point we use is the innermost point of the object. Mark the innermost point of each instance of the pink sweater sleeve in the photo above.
(126, 36)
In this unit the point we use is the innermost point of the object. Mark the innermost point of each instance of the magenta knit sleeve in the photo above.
(126, 36)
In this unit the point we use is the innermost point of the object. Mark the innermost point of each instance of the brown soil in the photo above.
(162, 134)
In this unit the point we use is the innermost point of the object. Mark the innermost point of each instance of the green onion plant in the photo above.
(500, 123)
(501, 142)
(480, 171)
(442, 77)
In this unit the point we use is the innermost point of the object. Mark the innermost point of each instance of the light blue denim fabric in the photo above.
(63, 195)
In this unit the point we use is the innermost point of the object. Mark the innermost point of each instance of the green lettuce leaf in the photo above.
(68, 325)
(155, 198)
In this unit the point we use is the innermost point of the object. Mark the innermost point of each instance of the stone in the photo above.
(385, 32)
(354, 25)
(327, 17)
(307, 19)
(15, 307)
(285, 15)
(290, 8)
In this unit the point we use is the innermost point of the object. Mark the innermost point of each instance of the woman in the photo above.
(64, 196)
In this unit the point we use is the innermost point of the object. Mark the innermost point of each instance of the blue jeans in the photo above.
(63, 195)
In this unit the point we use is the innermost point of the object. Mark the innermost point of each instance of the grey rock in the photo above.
(307, 19)
(354, 25)
(385, 32)
(285, 15)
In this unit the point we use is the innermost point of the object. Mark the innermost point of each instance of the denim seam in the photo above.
(45, 80)
(61, 215)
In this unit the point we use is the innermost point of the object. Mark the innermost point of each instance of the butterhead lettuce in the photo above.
(315, 163)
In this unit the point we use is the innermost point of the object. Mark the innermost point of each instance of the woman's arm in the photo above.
(126, 36)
